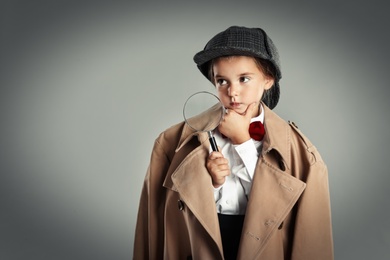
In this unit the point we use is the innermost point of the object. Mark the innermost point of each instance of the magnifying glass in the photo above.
(204, 104)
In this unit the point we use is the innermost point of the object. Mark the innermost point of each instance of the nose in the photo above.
(234, 89)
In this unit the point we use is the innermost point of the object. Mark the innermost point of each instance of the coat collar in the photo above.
(207, 120)
(277, 135)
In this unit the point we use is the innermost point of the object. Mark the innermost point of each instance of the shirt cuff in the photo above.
(218, 193)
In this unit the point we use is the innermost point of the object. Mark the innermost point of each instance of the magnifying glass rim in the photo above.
(203, 92)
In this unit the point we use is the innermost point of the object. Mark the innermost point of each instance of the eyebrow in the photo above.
(246, 73)
(240, 75)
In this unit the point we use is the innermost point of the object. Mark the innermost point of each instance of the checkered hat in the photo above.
(238, 40)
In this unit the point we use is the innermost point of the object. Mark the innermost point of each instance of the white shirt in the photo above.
(231, 198)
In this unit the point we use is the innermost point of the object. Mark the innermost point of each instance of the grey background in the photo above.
(86, 87)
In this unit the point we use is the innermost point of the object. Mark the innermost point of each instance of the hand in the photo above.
(235, 126)
(218, 167)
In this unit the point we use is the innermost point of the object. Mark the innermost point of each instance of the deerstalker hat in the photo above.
(243, 41)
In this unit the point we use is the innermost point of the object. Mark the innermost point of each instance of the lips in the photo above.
(238, 107)
(235, 105)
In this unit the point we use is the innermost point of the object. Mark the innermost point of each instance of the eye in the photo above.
(221, 82)
(244, 79)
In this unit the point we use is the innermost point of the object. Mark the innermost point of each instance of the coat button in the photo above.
(180, 205)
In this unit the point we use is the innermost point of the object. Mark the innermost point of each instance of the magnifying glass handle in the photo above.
(212, 141)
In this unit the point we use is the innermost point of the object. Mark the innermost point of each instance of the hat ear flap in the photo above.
(272, 53)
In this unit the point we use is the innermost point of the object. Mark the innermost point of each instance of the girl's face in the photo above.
(239, 82)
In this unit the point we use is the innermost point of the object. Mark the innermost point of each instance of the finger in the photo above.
(221, 161)
(215, 155)
(223, 171)
(251, 109)
(217, 165)
(220, 174)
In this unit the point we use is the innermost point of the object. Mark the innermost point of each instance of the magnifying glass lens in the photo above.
(203, 112)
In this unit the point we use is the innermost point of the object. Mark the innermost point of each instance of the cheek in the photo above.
(225, 100)
(255, 94)
(222, 92)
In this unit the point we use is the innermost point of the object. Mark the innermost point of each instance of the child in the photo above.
(263, 195)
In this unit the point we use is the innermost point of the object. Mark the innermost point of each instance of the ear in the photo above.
(269, 82)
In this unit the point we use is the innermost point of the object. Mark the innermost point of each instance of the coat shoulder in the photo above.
(306, 161)
(302, 143)
(169, 138)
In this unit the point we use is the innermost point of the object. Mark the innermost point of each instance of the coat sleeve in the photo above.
(149, 231)
(313, 227)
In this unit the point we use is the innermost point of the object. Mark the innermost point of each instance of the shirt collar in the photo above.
(259, 117)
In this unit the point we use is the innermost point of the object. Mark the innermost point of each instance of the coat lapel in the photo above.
(273, 193)
(190, 177)
(193, 182)
(272, 197)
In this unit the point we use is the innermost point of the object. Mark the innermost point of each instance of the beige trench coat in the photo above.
(288, 213)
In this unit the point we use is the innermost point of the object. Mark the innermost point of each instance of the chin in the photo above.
(240, 111)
